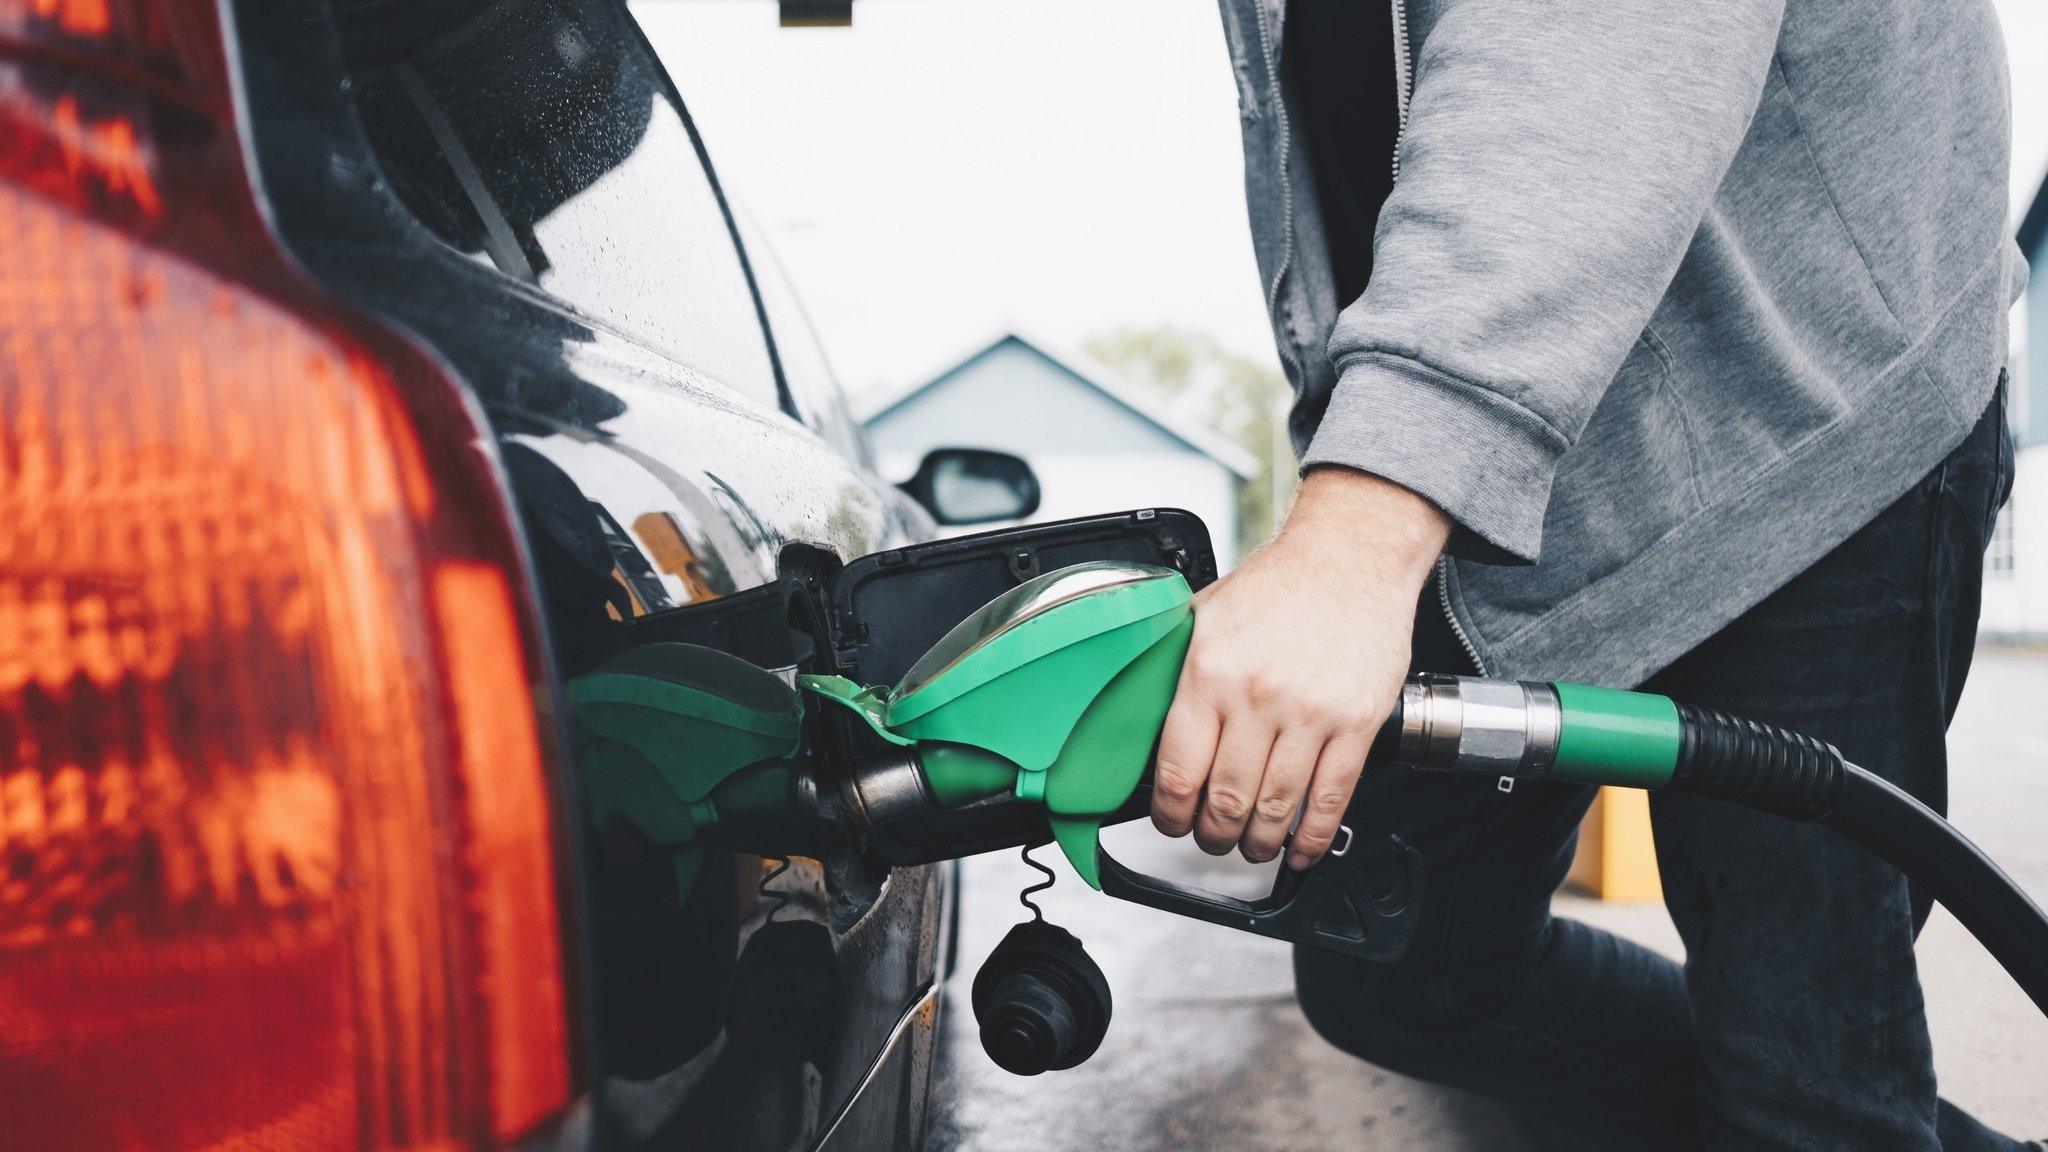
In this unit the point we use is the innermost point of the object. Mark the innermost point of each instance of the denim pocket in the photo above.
(2008, 466)
(1969, 488)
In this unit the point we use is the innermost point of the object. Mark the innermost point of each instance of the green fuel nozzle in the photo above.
(1036, 718)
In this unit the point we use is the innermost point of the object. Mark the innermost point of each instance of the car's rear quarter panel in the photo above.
(588, 418)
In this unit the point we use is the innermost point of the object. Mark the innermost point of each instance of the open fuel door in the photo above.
(886, 610)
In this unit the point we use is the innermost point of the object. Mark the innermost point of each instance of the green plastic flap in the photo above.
(660, 729)
(868, 704)
(1608, 736)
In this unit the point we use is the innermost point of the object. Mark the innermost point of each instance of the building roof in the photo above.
(1095, 374)
(2034, 225)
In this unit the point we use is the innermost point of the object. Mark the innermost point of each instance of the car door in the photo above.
(516, 187)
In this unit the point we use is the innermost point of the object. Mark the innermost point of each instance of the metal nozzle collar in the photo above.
(886, 787)
(1466, 724)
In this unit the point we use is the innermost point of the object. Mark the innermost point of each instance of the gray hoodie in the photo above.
(1668, 299)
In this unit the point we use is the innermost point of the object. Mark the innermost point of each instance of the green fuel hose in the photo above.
(1518, 730)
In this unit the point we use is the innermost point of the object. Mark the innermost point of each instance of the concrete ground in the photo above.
(1208, 1051)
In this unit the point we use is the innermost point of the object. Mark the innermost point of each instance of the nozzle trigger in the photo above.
(1328, 906)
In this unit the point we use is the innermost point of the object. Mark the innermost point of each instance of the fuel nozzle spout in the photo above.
(886, 789)
(899, 786)
(928, 802)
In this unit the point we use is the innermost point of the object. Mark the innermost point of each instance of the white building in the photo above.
(1097, 444)
(2016, 565)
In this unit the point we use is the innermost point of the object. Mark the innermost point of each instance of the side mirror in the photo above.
(973, 486)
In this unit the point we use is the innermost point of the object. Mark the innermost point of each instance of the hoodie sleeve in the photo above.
(1558, 156)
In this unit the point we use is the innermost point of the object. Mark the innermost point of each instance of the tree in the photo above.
(1242, 398)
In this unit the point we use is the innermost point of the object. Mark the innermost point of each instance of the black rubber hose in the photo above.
(1881, 817)
(1782, 772)
(1755, 765)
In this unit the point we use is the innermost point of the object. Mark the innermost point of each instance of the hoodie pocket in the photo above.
(1773, 328)
(1632, 476)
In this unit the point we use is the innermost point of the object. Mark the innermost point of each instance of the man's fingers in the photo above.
(1233, 782)
(1329, 793)
(1187, 746)
(1280, 792)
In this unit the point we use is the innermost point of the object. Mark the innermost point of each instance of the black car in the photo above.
(370, 370)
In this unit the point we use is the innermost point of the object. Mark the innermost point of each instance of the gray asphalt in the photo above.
(1208, 1051)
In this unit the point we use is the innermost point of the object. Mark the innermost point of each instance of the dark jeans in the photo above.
(1797, 1021)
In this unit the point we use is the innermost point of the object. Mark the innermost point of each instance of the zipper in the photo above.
(1404, 91)
(1404, 81)
(1443, 595)
(1280, 128)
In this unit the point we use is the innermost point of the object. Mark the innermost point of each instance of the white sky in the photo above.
(948, 168)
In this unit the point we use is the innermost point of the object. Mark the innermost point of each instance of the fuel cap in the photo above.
(1041, 1001)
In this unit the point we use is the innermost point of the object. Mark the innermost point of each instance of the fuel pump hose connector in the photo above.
(1518, 730)
(1528, 730)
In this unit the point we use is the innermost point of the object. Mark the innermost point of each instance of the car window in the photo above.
(813, 388)
(541, 137)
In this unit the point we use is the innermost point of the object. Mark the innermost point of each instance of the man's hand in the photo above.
(1297, 659)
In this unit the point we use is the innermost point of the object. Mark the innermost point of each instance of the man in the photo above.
(1677, 330)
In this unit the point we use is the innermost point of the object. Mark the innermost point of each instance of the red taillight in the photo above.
(278, 866)
(173, 38)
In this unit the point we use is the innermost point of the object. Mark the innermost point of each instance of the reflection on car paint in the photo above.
(612, 340)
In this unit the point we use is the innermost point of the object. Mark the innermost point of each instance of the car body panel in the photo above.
(645, 484)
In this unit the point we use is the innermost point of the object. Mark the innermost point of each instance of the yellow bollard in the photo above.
(1617, 858)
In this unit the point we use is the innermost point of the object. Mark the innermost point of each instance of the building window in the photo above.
(1998, 555)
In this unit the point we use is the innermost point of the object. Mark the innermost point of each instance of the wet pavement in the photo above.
(1208, 1051)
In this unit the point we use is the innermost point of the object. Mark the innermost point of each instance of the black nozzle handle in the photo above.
(1328, 906)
